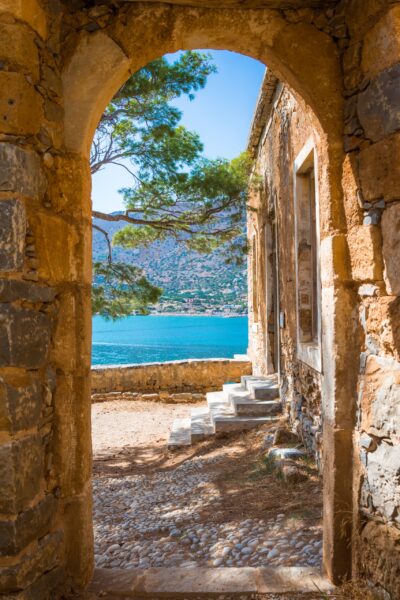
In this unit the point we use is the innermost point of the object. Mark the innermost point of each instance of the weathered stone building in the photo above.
(60, 64)
(290, 276)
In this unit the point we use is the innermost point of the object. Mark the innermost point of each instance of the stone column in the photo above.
(44, 307)
(372, 184)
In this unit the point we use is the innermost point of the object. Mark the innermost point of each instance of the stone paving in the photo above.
(156, 519)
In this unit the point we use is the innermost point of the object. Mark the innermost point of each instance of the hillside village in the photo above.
(192, 283)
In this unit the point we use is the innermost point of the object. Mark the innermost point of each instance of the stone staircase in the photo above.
(238, 407)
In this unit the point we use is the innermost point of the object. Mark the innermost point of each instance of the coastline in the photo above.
(170, 314)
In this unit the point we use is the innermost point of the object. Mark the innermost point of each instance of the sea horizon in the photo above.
(166, 337)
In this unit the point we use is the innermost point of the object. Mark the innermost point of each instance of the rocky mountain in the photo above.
(193, 283)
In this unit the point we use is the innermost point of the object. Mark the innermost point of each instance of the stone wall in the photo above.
(175, 381)
(372, 140)
(288, 126)
(359, 260)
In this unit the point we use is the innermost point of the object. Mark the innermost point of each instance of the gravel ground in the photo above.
(194, 508)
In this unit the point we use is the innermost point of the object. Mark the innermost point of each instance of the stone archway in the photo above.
(100, 62)
(58, 78)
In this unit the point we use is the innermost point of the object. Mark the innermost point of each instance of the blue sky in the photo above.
(221, 113)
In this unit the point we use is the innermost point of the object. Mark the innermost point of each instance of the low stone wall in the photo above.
(162, 396)
(175, 381)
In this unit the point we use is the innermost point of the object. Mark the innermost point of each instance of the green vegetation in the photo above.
(176, 192)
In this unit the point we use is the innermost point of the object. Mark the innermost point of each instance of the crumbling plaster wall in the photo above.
(60, 65)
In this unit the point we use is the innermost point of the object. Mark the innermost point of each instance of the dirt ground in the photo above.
(123, 425)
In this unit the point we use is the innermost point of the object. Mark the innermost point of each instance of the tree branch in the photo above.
(104, 232)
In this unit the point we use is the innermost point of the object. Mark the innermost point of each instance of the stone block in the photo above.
(48, 587)
(11, 290)
(20, 105)
(151, 397)
(181, 397)
(380, 408)
(379, 556)
(381, 480)
(13, 231)
(24, 337)
(29, 11)
(79, 536)
(361, 15)
(20, 403)
(52, 81)
(72, 458)
(334, 257)
(368, 289)
(18, 48)
(20, 171)
(381, 47)
(378, 106)
(59, 248)
(364, 246)
(383, 325)
(53, 111)
(69, 186)
(391, 248)
(379, 169)
(31, 566)
(31, 524)
(64, 348)
(21, 469)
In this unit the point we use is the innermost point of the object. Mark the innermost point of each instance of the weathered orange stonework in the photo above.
(362, 255)
(60, 64)
(173, 377)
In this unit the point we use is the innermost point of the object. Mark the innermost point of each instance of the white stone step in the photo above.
(180, 434)
(225, 419)
(233, 387)
(201, 425)
(238, 423)
(245, 379)
(260, 408)
(263, 390)
(237, 394)
(218, 405)
(234, 392)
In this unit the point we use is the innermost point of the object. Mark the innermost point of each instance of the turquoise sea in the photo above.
(162, 338)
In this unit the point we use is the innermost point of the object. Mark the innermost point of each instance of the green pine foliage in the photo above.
(175, 190)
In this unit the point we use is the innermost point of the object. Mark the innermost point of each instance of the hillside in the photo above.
(192, 282)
